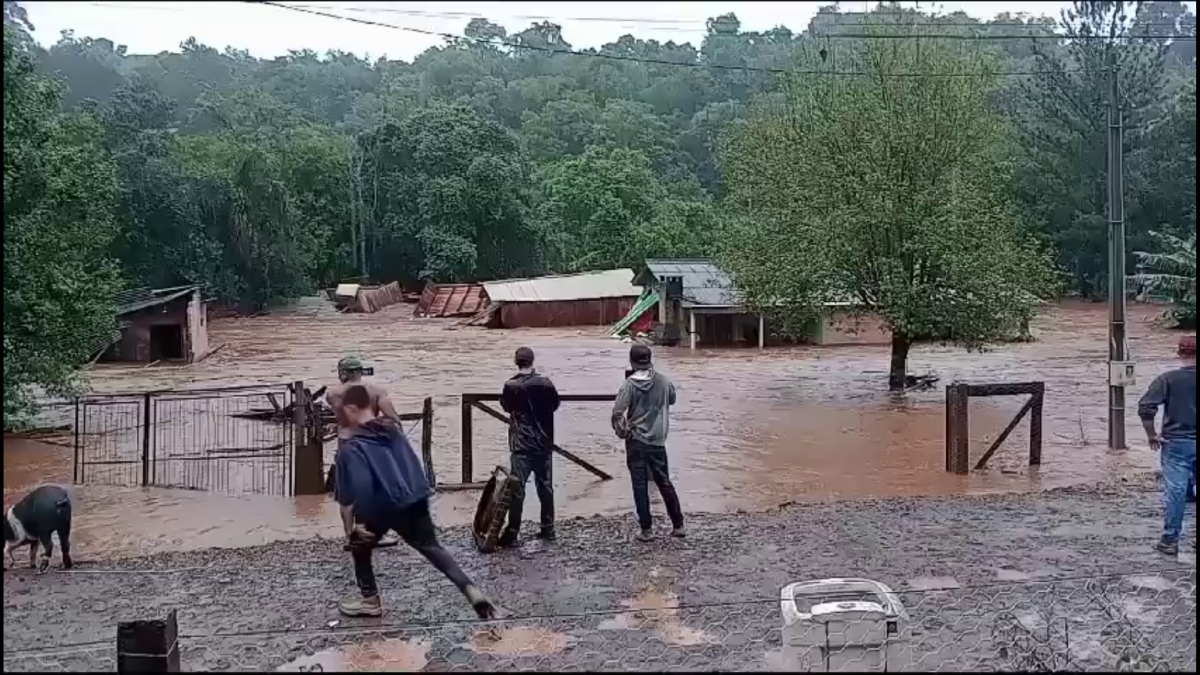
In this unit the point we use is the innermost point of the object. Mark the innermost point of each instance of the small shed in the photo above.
(586, 299)
(166, 324)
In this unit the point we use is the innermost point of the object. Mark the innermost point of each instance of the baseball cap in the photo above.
(1187, 345)
(639, 355)
(351, 363)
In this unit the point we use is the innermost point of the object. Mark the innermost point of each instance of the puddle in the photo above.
(933, 583)
(1012, 575)
(520, 641)
(388, 655)
(656, 611)
(1151, 582)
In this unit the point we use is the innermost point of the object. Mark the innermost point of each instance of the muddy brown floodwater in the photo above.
(751, 429)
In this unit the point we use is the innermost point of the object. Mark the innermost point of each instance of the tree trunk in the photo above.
(897, 376)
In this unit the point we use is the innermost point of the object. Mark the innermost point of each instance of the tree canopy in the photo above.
(499, 154)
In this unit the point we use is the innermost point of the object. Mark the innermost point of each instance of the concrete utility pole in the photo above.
(1116, 261)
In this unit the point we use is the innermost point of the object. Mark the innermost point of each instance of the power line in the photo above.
(636, 59)
(690, 25)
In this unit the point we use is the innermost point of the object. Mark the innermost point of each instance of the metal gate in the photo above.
(234, 440)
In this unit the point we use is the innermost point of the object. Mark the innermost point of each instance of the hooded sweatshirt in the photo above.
(640, 412)
(378, 473)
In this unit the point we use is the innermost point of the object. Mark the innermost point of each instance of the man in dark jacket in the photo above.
(381, 486)
(531, 400)
(640, 416)
(1175, 392)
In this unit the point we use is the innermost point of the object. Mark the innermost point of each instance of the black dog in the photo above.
(43, 512)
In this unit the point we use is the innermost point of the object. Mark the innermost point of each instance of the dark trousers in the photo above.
(646, 463)
(542, 468)
(415, 527)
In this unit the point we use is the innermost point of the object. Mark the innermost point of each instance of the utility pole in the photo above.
(1116, 260)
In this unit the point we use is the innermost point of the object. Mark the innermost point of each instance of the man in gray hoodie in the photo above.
(640, 416)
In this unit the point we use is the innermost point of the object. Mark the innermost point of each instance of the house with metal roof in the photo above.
(585, 299)
(697, 302)
(165, 324)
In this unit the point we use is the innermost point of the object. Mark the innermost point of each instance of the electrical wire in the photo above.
(693, 25)
(635, 59)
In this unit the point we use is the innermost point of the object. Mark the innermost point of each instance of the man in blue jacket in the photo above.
(1175, 392)
(531, 400)
(381, 486)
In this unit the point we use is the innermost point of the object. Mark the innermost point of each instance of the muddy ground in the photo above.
(975, 573)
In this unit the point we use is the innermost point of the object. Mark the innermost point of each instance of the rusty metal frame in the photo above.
(470, 402)
(958, 440)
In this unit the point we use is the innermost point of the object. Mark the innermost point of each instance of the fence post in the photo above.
(146, 439)
(427, 440)
(468, 470)
(307, 459)
(1035, 425)
(78, 437)
(958, 441)
(148, 646)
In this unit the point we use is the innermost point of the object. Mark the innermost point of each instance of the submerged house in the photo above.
(167, 324)
(586, 299)
(696, 302)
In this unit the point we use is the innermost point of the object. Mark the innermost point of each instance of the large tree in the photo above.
(882, 190)
(59, 187)
(1062, 120)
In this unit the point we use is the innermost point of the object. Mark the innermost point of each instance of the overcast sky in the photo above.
(152, 27)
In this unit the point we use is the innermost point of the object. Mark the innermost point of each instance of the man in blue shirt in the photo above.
(381, 486)
(1175, 392)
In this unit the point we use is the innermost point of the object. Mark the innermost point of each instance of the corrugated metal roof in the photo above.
(450, 300)
(137, 299)
(585, 286)
(704, 284)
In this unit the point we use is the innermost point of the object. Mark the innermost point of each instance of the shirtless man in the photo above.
(350, 373)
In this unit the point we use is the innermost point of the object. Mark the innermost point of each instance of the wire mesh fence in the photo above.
(231, 440)
(1131, 623)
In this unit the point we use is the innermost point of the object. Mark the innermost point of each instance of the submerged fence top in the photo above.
(232, 389)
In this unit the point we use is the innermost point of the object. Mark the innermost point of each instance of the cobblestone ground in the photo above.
(1026, 568)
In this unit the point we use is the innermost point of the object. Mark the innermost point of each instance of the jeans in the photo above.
(415, 527)
(542, 468)
(1179, 471)
(649, 462)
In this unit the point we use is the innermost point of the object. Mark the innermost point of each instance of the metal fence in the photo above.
(232, 440)
(1142, 622)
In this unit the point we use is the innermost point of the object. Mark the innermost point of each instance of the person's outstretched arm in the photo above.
(345, 470)
(507, 404)
(386, 407)
(1155, 396)
(620, 407)
(553, 397)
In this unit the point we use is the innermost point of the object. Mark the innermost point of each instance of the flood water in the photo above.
(751, 430)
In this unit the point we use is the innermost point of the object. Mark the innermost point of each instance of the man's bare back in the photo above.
(380, 403)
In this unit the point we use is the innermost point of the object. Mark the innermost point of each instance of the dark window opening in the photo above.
(166, 342)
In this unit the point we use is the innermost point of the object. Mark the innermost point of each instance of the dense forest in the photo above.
(502, 154)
